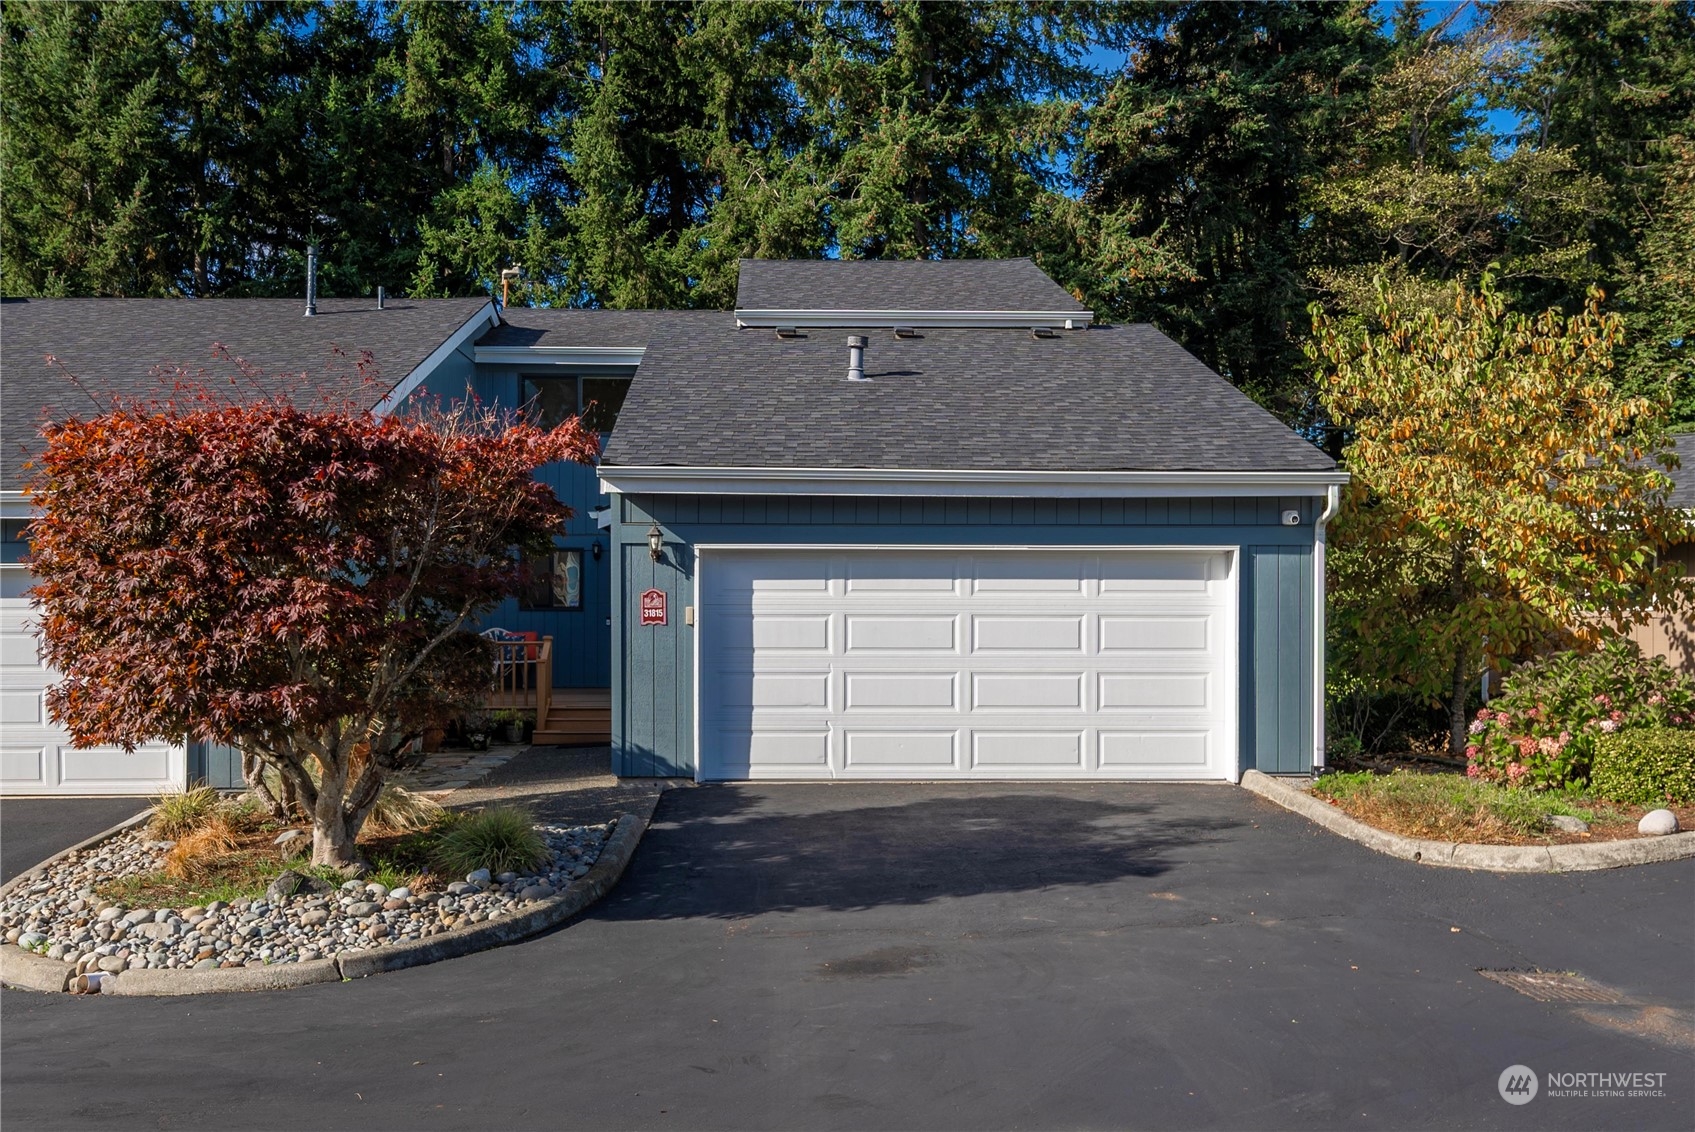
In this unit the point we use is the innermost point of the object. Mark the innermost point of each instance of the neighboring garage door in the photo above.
(37, 757)
(888, 664)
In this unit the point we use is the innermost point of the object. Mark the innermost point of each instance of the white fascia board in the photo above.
(15, 505)
(944, 482)
(486, 317)
(560, 355)
(987, 320)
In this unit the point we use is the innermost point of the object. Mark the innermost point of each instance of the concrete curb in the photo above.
(28, 971)
(219, 980)
(1460, 855)
(23, 969)
(597, 882)
(32, 875)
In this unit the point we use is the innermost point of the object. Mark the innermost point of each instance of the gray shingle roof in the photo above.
(534, 326)
(1683, 478)
(113, 346)
(900, 285)
(1108, 398)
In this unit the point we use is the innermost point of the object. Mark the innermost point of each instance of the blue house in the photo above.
(886, 520)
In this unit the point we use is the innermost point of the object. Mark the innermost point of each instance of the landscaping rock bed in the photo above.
(60, 916)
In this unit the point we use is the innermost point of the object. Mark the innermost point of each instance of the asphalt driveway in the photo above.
(33, 829)
(941, 957)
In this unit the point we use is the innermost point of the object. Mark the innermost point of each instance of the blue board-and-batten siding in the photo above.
(581, 637)
(653, 667)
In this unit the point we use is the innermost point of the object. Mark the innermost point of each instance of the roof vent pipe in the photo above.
(379, 298)
(856, 358)
(311, 280)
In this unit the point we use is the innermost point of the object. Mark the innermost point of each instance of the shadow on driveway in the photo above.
(732, 851)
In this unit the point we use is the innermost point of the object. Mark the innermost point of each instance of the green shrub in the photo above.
(1543, 730)
(1647, 767)
(183, 811)
(502, 839)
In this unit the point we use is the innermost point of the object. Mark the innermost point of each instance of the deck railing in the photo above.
(524, 677)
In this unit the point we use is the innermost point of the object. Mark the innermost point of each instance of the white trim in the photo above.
(944, 482)
(487, 316)
(559, 355)
(15, 505)
(1332, 503)
(1232, 760)
(986, 320)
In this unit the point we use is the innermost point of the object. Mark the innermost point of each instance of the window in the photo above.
(555, 582)
(549, 400)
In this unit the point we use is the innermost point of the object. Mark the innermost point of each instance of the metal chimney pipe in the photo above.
(856, 358)
(379, 298)
(311, 280)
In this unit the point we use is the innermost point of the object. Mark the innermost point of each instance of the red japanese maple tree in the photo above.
(296, 582)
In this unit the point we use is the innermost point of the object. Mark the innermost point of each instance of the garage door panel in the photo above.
(900, 574)
(22, 708)
(1027, 690)
(1146, 690)
(866, 633)
(774, 690)
(1027, 634)
(1015, 752)
(1050, 575)
(1154, 750)
(100, 766)
(23, 765)
(776, 754)
(873, 691)
(18, 657)
(900, 751)
(986, 664)
(1140, 634)
(1158, 573)
(794, 634)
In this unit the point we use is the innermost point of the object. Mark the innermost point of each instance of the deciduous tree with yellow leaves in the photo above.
(1504, 493)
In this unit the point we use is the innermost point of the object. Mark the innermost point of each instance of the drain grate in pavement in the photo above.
(1552, 986)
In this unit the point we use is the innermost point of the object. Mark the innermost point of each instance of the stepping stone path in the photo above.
(60, 916)
(449, 770)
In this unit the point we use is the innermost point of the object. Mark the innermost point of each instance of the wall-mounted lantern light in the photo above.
(594, 551)
(656, 542)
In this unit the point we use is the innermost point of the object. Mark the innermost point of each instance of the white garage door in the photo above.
(37, 757)
(1079, 664)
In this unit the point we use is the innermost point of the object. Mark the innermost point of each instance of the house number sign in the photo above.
(653, 607)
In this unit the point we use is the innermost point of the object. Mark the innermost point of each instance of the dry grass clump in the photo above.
(197, 852)
(399, 810)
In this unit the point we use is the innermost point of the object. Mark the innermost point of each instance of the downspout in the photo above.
(1332, 502)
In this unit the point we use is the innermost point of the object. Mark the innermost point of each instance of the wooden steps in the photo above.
(576, 717)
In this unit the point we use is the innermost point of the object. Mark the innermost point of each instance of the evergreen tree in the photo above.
(85, 154)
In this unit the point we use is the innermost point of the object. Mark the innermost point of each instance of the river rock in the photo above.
(1568, 824)
(1657, 823)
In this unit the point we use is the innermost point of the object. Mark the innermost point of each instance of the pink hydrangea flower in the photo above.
(1609, 725)
(1656, 698)
(1516, 771)
(1604, 700)
(1478, 727)
(1471, 752)
(1484, 713)
(1615, 716)
(1527, 746)
(1473, 770)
